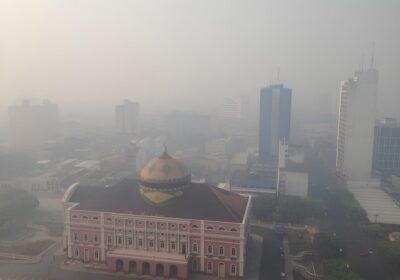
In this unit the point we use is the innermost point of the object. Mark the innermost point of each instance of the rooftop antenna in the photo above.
(277, 75)
(373, 54)
(362, 62)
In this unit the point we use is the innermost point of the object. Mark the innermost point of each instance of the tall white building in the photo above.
(231, 110)
(127, 117)
(356, 121)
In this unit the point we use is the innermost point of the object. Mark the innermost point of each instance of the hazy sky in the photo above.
(87, 55)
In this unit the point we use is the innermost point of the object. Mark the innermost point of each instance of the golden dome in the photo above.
(164, 171)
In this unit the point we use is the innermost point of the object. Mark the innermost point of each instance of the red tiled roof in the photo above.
(199, 201)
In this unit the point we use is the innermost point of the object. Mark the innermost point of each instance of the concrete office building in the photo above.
(356, 121)
(386, 157)
(275, 113)
(127, 117)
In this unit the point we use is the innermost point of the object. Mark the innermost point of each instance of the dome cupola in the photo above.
(163, 179)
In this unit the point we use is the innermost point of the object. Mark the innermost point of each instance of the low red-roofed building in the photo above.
(161, 225)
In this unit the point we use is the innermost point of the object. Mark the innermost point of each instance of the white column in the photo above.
(102, 239)
(68, 232)
(202, 247)
(241, 255)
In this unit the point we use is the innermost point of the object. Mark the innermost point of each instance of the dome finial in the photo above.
(165, 154)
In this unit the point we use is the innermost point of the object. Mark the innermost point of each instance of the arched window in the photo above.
(85, 217)
(95, 218)
(76, 252)
(195, 226)
(233, 269)
(221, 251)
(233, 229)
(210, 227)
(210, 249)
(233, 252)
(221, 228)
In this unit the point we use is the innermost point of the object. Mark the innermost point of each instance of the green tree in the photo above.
(335, 269)
(327, 245)
(292, 209)
(264, 207)
(14, 204)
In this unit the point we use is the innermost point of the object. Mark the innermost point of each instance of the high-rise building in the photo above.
(356, 121)
(127, 117)
(386, 157)
(275, 112)
(32, 125)
(231, 110)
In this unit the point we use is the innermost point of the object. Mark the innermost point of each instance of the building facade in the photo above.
(386, 157)
(356, 121)
(275, 114)
(161, 225)
(127, 117)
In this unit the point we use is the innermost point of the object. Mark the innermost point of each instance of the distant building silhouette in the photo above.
(33, 125)
(356, 121)
(127, 117)
(275, 113)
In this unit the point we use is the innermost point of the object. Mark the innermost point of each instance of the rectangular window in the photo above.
(96, 255)
(173, 245)
(151, 243)
(233, 269)
(76, 252)
(109, 240)
(130, 241)
(119, 240)
(209, 267)
(76, 236)
(194, 248)
(233, 252)
(210, 249)
(140, 242)
(162, 244)
(221, 251)
(95, 239)
(85, 237)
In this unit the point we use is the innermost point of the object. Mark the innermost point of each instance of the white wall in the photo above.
(296, 183)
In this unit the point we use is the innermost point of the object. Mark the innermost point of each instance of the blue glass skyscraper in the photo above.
(275, 112)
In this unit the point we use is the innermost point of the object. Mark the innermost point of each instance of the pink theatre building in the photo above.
(161, 225)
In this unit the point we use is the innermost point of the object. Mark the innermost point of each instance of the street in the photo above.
(272, 264)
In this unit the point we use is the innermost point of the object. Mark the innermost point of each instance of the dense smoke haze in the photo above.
(88, 55)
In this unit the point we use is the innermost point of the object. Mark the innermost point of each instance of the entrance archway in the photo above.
(173, 271)
(119, 265)
(132, 267)
(146, 268)
(159, 270)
